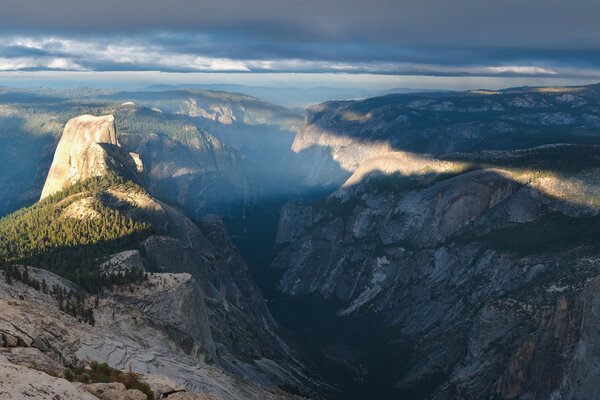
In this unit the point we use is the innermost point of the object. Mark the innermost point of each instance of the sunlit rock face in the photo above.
(401, 163)
(339, 136)
(88, 147)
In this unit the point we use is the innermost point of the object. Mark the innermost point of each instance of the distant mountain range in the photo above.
(294, 97)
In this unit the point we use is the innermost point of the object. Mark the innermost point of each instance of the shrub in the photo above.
(103, 373)
(68, 374)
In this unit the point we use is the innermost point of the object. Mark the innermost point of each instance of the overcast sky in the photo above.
(531, 39)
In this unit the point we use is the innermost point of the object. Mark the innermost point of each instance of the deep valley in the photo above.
(431, 245)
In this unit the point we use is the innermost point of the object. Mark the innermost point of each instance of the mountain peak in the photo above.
(92, 129)
(88, 147)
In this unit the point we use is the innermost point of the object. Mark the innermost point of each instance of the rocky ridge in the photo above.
(198, 315)
(458, 267)
(339, 136)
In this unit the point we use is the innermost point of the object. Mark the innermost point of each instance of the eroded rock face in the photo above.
(124, 261)
(241, 327)
(402, 163)
(192, 396)
(293, 221)
(88, 147)
(423, 219)
(163, 386)
(32, 357)
(107, 391)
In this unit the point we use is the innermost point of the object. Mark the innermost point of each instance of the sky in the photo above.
(406, 43)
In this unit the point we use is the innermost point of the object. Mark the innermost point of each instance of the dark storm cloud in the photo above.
(538, 23)
(452, 37)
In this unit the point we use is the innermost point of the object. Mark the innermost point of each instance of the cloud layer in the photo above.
(433, 37)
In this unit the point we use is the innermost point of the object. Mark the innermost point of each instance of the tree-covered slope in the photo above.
(69, 232)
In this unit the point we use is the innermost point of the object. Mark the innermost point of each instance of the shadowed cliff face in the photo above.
(448, 265)
(424, 268)
(200, 176)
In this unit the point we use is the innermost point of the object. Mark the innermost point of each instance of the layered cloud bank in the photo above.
(537, 38)
(193, 52)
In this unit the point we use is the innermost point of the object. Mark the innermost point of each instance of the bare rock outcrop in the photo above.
(192, 396)
(107, 391)
(403, 164)
(18, 382)
(153, 330)
(113, 391)
(88, 147)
